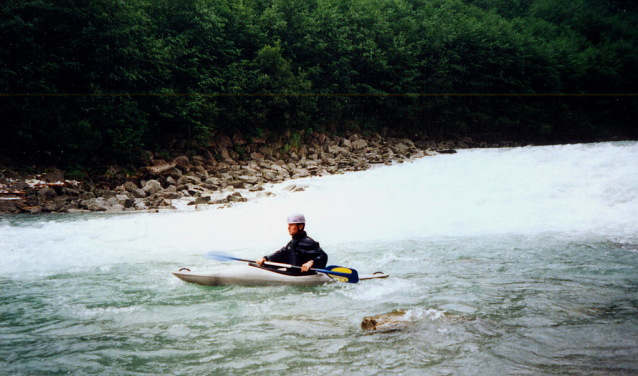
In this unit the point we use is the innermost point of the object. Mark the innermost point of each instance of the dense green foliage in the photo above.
(85, 82)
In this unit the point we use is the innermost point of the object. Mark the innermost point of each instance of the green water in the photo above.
(507, 305)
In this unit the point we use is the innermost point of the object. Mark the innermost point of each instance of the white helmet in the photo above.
(296, 218)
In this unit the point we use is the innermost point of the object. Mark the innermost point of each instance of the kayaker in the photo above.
(301, 251)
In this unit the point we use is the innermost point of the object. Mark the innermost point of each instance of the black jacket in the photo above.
(300, 250)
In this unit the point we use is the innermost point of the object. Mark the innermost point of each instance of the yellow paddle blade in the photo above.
(341, 270)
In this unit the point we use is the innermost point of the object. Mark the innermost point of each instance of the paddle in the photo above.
(340, 273)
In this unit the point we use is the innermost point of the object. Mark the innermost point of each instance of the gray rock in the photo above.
(87, 195)
(152, 187)
(359, 144)
(47, 192)
(250, 179)
(94, 204)
(188, 179)
(71, 191)
(125, 201)
(115, 208)
(269, 174)
(129, 186)
(139, 193)
(105, 193)
(236, 197)
(170, 195)
(202, 200)
(300, 173)
(346, 144)
(265, 194)
(54, 176)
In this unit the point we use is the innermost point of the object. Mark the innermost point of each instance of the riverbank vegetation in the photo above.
(89, 83)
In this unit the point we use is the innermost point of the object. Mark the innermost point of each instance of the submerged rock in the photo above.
(386, 322)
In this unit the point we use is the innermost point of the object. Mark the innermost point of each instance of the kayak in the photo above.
(252, 275)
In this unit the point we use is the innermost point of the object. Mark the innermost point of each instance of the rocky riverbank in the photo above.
(228, 171)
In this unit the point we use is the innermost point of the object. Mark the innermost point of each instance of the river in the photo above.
(519, 261)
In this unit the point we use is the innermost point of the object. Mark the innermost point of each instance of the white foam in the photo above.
(591, 188)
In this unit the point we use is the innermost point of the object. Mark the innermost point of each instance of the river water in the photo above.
(515, 261)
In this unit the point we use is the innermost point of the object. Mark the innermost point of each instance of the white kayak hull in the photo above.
(245, 275)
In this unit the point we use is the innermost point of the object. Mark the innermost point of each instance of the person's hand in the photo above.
(305, 267)
(260, 261)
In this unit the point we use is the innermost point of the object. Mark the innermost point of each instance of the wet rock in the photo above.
(265, 194)
(387, 322)
(202, 200)
(115, 208)
(236, 197)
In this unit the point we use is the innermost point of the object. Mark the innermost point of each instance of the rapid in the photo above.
(507, 261)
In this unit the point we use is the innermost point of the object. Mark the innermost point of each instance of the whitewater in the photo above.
(513, 260)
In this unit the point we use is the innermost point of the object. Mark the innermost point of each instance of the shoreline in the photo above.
(229, 171)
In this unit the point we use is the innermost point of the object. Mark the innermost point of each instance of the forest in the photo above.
(84, 83)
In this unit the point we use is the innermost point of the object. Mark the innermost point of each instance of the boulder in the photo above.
(170, 195)
(47, 192)
(236, 197)
(87, 195)
(182, 161)
(300, 173)
(130, 186)
(20, 186)
(160, 168)
(115, 208)
(139, 193)
(140, 205)
(53, 176)
(94, 204)
(8, 206)
(249, 179)
(125, 201)
(152, 187)
(359, 144)
(202, 200)
(346, 144)
(189, 179)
